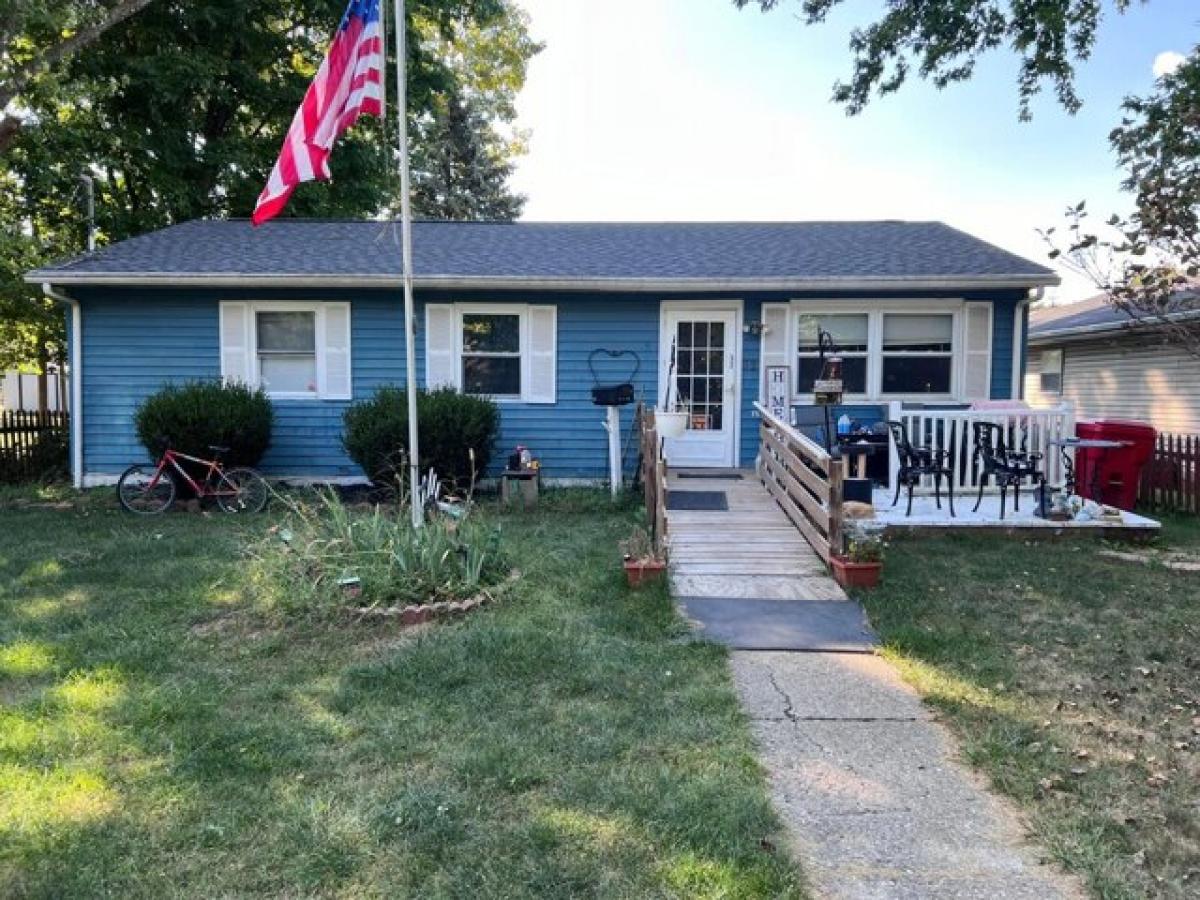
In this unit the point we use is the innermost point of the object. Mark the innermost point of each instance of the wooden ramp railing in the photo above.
(654, 478)
(804, 480)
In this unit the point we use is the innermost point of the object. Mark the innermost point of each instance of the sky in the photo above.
(686, 110)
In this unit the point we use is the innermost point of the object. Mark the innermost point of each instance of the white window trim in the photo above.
(794, 347)
(1061, 371)
(253, 308)
(875, 310)
(522, 310)
(957, 355)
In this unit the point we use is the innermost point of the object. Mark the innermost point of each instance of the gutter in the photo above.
(76, 364)
(460, 282)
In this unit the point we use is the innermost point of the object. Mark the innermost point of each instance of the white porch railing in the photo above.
(950, 430)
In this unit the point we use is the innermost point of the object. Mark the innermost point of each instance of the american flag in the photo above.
(348, 84)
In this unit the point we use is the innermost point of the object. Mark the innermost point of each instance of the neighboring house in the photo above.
(312, 311)
(1112, 367)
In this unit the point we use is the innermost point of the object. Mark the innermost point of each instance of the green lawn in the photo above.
(1073, 682)
(160, 737)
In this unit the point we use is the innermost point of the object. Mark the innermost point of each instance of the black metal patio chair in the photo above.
(1009, 467)
(916, 463)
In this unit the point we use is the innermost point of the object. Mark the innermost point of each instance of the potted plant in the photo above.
(642, 563)
(862, 562)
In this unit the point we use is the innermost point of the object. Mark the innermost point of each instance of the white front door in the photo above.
(705, 346)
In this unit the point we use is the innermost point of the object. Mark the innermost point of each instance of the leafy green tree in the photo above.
(34, 37)
(179, 112)
(1139, 261)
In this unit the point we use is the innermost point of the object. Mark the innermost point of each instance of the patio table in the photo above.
(1065, 444)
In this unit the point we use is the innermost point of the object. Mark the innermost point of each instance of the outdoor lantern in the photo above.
(827, 390)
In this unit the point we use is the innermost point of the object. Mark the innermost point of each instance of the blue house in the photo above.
(312, 311)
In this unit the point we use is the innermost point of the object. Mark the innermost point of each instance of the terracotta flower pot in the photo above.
(855, 574)
(643, 571)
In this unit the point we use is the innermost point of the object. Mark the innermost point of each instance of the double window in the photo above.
(884, 353)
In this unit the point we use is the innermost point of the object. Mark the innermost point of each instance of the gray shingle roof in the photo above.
(1095, 314)
(571, 254)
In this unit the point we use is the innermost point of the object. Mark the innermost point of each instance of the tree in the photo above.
(179, 113)
(1142, 259)
(35, 37)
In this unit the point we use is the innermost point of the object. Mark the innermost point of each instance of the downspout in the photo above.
(76, 364)
(1020, 339)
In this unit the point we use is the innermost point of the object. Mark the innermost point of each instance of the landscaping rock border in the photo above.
(424, 613)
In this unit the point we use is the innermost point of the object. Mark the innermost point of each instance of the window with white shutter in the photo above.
(290, 350)
(506, 351)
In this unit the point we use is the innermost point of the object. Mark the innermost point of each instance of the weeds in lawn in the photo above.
(303, 564)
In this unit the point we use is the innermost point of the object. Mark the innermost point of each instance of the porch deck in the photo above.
(926, 516)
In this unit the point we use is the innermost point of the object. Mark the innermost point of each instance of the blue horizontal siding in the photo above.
(136, 340)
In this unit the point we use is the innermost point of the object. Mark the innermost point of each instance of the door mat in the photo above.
(715, 476)
(838, 626)
(697, 501)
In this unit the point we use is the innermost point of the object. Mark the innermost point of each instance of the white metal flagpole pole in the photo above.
(410, 349)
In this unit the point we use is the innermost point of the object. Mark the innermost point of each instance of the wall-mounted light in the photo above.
(758, 329)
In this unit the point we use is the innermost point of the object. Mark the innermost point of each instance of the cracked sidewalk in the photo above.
(869, 787)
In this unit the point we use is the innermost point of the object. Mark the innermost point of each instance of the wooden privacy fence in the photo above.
(654, 479)
(31, 444)
(804, 480)
(951, 430)
(1171, 479)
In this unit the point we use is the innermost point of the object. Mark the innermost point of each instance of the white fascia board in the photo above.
(456, 282)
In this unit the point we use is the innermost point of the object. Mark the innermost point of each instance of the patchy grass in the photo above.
(1073, 681)
(160, 738)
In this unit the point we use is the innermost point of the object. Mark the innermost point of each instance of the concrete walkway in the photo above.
(871, 791)
(866, 782)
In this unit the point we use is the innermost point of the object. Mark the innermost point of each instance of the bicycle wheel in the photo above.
(242, 490)
(140, 493)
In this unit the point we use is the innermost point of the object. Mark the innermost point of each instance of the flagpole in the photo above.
(410, 349)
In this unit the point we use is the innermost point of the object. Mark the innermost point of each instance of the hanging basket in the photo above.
(671, 424)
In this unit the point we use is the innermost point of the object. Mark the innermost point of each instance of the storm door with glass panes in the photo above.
(705, 346)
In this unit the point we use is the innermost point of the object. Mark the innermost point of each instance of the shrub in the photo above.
(452, 425)
(300, 565)
(198, 414)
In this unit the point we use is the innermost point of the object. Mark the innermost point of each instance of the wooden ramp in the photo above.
(751, 550)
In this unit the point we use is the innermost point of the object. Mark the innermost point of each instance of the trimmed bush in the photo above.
(193, 416)
(451, 426)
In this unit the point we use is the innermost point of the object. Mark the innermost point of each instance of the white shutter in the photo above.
(774, 346)
(977, 358)
(540, 361)
(333, 344)
(440, 368)
(236, 352)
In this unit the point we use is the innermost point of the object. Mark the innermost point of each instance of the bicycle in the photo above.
(146, 490)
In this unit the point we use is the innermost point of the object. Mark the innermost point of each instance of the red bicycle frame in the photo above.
(172, 457)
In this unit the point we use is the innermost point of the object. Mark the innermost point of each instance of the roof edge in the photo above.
(1099, 329)
(666, 285)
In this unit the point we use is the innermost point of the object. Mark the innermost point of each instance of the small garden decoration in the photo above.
(642, 563)
(863, 561)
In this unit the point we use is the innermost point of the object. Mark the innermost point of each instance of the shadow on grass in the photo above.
(161, 739)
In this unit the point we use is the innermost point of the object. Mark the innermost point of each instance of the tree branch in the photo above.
(20, 79)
